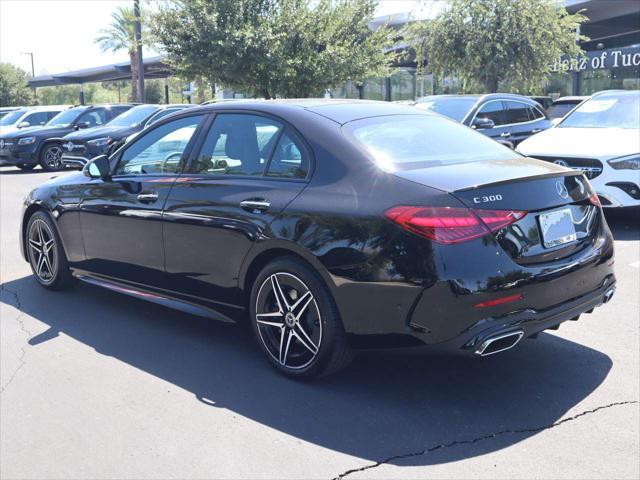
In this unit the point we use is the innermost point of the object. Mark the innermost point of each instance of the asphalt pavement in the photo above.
(99, 385)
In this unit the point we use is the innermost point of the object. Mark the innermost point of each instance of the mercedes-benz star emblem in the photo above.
(562, 163)
(562, 190)
(69, 146)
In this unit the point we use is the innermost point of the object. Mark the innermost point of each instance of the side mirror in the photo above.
(24, 125)
(97, 167)
(82, 125)
(482, 123)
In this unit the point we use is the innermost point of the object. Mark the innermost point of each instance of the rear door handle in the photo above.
(148, 197)
(505, 134)
(255, 204)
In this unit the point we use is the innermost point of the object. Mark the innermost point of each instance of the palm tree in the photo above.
(121, 36)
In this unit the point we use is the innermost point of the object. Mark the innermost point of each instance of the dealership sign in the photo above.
(599, 59)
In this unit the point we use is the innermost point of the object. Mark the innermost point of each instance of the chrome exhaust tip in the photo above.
(609, 294)
(499, 343)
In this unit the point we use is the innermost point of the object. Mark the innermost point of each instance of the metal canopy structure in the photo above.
(154, 67)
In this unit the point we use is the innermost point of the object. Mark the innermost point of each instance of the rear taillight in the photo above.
(448, 225)
(595, 200)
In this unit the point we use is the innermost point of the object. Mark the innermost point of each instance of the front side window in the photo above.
(237, 144)
(160, 150)
(456, 108)
(36, 119)
(493, 111)
(289, 159)
(516, 112)
(94, 117)
(405, 142)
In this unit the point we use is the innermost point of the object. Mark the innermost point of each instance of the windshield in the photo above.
(610, 110)
(456, 108)
(66, 117)
(11, 117)
(405, 142)
(133, 116)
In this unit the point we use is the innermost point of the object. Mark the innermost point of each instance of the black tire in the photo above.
(51, 270)
(51, 157)
(26, 167)
(294, 333)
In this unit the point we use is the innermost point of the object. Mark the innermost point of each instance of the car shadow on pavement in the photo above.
(624, 223)
(383, 404)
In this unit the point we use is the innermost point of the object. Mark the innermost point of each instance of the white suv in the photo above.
(601, 137)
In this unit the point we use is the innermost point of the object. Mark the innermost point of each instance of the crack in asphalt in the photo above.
(483, 437)
(23, 351)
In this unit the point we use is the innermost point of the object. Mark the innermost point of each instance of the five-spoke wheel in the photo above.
(51, 157)
(295, 320)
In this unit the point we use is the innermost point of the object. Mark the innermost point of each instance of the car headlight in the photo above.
(100, 142)
(26, 140)
(630, 162)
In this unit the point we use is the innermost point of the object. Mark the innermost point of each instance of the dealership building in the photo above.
(612, 56)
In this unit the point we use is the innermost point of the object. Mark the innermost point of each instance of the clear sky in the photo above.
(60, 33)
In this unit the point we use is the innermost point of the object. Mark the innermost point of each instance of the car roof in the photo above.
(338, 110)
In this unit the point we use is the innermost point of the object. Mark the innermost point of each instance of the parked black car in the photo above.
(507, 118)
(81, 146)
(329, 226)
(43, 145)
(563, 105)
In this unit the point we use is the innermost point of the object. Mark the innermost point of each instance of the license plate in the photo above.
(557, 227)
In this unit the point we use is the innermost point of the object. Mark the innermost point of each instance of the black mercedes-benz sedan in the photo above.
(330, 226)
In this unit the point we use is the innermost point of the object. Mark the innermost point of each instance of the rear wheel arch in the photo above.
(259, 260)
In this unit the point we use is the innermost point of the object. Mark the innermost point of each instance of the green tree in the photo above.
(121, 36)
(14, 89)
(489, 42)
(288, 48)
(154, 91)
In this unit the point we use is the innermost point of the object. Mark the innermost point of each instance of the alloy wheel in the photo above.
(42, 251)
(288, 320)
(53, 157)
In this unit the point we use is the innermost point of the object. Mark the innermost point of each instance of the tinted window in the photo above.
(159, 151)
(517, 112)
(613, 110)
(456, 108)
(119, 110)
(535, 114)
(94, 117)
(559, 110)
(289, 159)
(402, 142)
(493, 111)
(237, 145)
(35, 119)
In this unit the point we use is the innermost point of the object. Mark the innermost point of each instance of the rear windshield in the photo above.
(559, 110)
(405, 142)
(456, 108)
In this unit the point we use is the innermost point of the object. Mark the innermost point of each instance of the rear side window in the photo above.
(517, 112)
(535, 114)
(237, 144)
(405, 142)
(290, 159)
(493, 111)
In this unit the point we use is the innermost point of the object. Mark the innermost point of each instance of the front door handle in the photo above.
(255, 204)
(505, 134)
(148, 197)
(536, 130)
